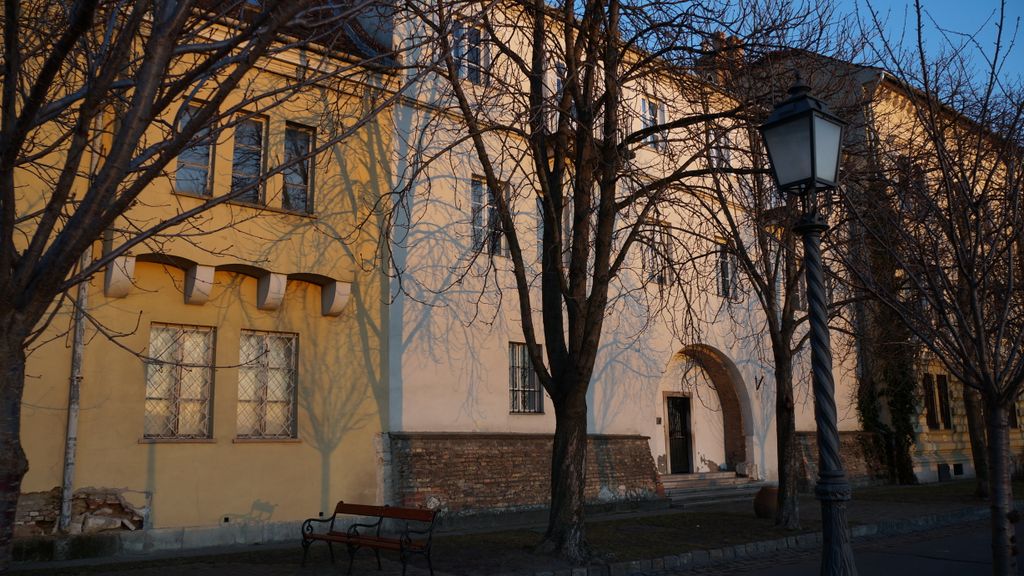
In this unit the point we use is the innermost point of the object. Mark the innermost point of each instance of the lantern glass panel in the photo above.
(789, 145)
(827, 135)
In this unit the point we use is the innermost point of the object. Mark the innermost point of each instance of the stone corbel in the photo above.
(270, 291)
(198, 284)
(117, 281)
(333, 297)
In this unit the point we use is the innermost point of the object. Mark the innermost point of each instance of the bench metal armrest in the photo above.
(307, 525)
(353, 530)
(409, 532)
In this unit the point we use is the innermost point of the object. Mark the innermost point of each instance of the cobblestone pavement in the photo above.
(957, 550)
(960, 550)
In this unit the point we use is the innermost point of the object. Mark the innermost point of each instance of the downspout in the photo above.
(77, 351)
(74, 388)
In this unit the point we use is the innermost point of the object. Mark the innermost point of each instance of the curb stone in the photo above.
(701, 558)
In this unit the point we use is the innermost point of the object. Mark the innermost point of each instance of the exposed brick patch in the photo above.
(473, 472)
(861, 468)
(37, 513)
(92, 510)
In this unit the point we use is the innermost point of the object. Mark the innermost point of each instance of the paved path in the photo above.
(959, 550)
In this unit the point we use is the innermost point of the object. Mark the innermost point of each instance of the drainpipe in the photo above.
(71, 436)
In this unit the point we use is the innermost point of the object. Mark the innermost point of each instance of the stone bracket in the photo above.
(117, 281)
(198, 284)
(333, 297)
(270, 291)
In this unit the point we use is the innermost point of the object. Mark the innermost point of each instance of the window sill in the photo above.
(266, 441)
(177, 440)
(262, 207)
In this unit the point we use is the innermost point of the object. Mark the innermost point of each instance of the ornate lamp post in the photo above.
(803, 141)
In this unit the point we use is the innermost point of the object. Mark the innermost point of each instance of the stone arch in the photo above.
(734, 398)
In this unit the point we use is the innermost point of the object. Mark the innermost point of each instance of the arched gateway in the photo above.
(708, 413)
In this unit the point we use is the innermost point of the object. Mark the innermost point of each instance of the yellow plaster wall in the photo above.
(342, 395)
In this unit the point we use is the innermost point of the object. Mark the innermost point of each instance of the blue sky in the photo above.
(954, 16)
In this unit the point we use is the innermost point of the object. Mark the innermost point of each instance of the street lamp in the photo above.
(804, 141)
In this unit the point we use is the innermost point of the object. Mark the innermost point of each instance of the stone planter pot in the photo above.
(766, 502)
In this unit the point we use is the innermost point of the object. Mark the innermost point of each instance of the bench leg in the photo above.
(331, 548)
(429, 564)
(351, 558)
(305, 550)
(377, 552)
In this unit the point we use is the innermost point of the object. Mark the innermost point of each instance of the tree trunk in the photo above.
(1004, 549)
(787, 514)
(565, 536)
(976, 431)
(13, 463)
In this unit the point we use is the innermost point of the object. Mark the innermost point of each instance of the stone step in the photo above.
(706, 479)
(707, 484)
(698, 475)
(698, 497)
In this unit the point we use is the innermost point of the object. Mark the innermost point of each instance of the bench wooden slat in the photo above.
(416, 514)
(359, 509)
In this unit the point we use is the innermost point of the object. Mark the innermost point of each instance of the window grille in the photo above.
(192, 175)
(247, 163)
(298, 174)
(179, 377)
(525, 393)
(267, 385)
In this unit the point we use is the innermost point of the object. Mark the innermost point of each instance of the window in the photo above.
(728, 273)
(247, 163)
(469, 52)
(179, 378)
(652, 113)
(719, 148)
(657, 256)
(800, 298)
(525, 394)
(267, 385)
(298, 175)
(560, 77)
(192, 175)
(487, 231)
(936, 402)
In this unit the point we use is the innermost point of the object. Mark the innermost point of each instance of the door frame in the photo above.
(665, 395)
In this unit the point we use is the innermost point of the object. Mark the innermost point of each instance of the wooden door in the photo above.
(679, 440)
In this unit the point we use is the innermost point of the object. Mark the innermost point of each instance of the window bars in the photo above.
(267, 385)
(179, 377)
(525, 394)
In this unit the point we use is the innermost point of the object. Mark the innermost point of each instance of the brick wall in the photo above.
(471, 472)
(860, 466)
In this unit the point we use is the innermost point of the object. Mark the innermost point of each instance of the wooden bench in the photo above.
(368, 533)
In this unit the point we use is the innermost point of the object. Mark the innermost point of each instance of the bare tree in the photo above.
(592, 116)
(949, 141)
(98, 98)
(756, 221)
